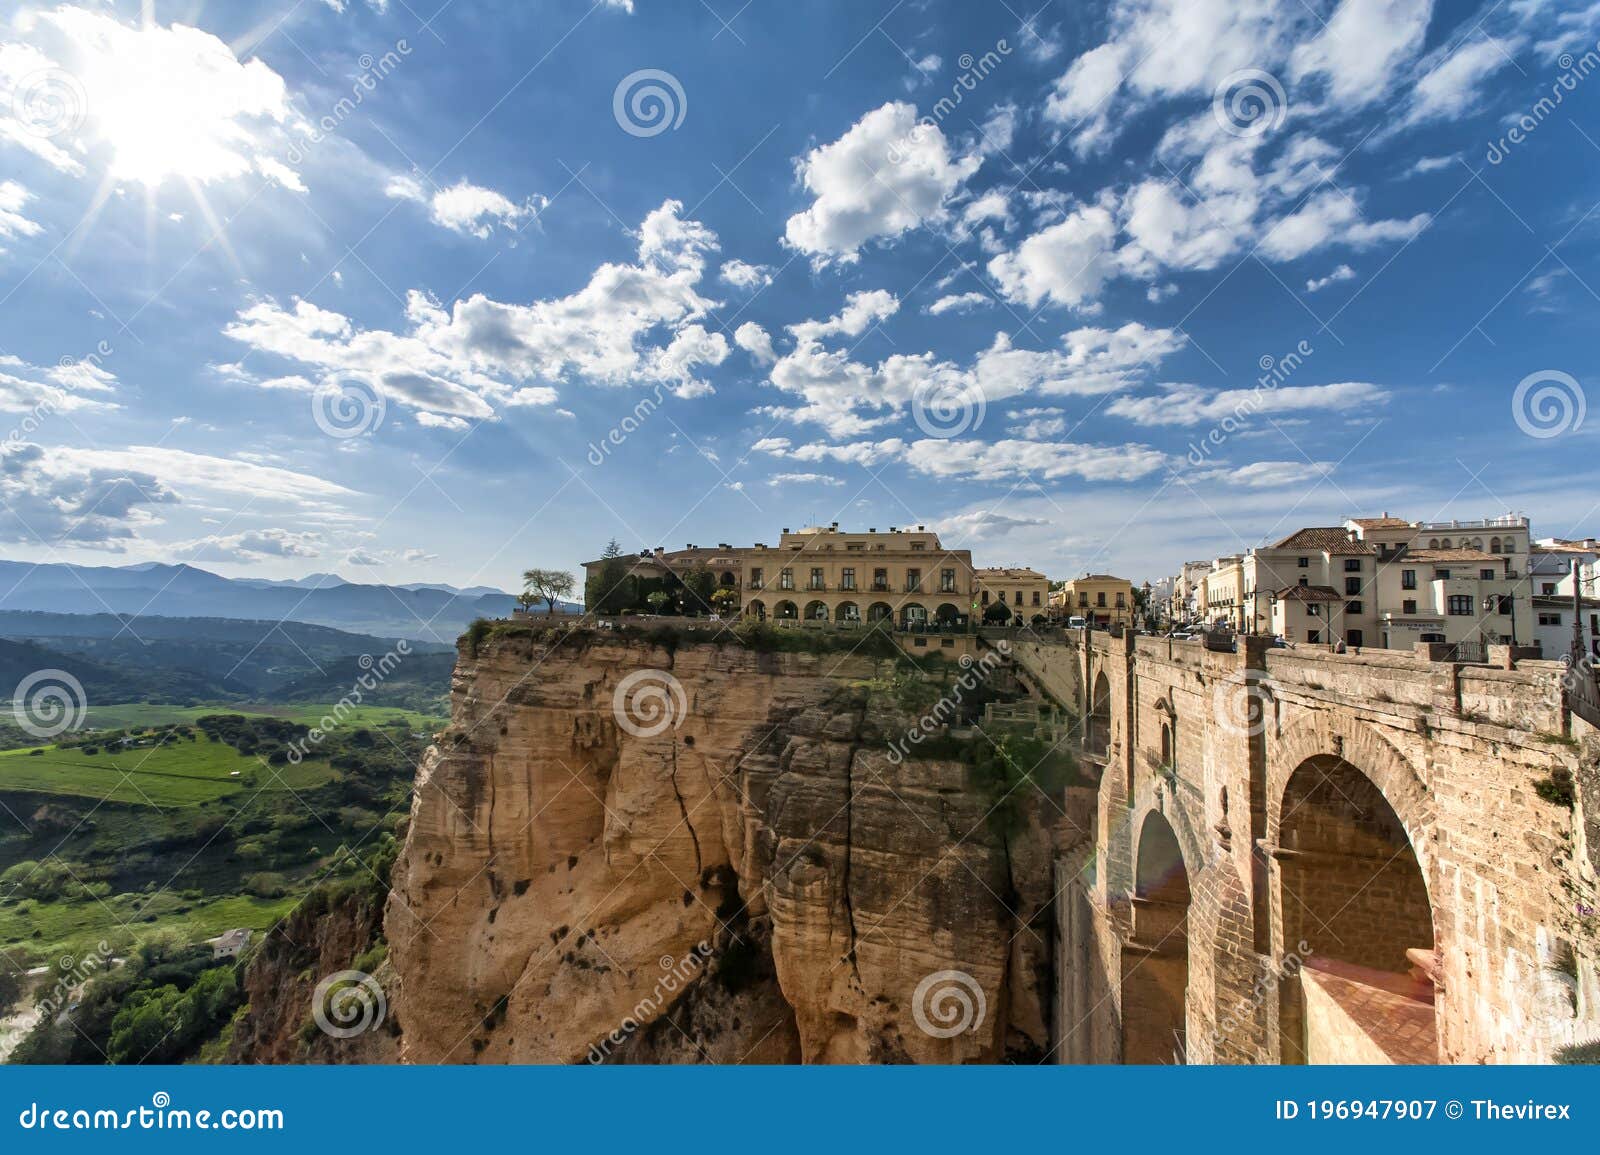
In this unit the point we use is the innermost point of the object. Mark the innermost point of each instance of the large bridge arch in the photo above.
(1155, 960)
(1352, 893)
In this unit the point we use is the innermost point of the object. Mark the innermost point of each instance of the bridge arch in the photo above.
(1353, 896)
(1097, 731)
(1155, 959)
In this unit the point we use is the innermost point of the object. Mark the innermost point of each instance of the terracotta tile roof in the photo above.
(1381, 522)
(1310, 594)
(1330, 539)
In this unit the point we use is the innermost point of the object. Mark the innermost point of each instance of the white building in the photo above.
(1557, 569)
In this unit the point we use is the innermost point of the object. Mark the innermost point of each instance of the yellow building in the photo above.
(1225, 593)
(1025, 592)
(1100, 599)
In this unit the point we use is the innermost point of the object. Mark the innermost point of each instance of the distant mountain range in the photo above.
(421, 611)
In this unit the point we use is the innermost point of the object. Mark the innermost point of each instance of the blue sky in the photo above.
(414, 292)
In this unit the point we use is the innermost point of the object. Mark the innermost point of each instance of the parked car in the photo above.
(1076, 623)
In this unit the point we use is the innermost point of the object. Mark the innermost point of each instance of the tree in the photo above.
(610, 588)
(725, 601)
(548, 585)
(658, 599)
(526, 601)
(698, 586)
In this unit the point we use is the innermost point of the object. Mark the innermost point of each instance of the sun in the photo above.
(171, 102)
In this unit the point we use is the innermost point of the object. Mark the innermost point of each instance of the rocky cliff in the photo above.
(660, 849)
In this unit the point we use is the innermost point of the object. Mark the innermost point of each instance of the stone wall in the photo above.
(1451, 833)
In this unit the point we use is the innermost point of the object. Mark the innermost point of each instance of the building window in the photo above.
(816, 579)
(755, 579)
(984, 597)
(1408, 579)
(1459, 605)
(1035, 597)
(1441, 575)
(1502, 604)
(1549, 619)
(1120, 601)
(854, 546)
(1352, 607)
(847, 578)
(1354, 637)
(1303, 562)
(1016, 597)
(1409, 606)
(919, 641)
(1314, 611)
(1314, 637)
(913, 581)
(1486, 575)
(1305, 581)
(1352, 565)
(1100, 600)
(786, 579)
(1352, 585)
(1083, 599)
(918, 545)
(1548, 589)
(880, 579)
(947, 580)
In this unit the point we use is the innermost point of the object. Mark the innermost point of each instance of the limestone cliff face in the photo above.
(747, 877)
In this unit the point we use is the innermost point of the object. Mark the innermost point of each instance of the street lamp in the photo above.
(1491, 604)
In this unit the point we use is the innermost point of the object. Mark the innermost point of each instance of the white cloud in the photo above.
(1332, 217)
(1449, 85)
(442, 421)
(959, 303)
(742, 275)
(251, 545)
(886, 175)
(13, 198)
(1066, 263)
(631, 323)
(466, 208)
(42, 391)
(1042, 460)
(803, 479)
(756, 341)
(1427, 164)
(1362, 46)
(1165, 48)
(1339, 273)
(1272, 474)
(1192, 405)
(983, 523)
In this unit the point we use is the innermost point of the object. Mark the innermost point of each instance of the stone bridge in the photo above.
(1309, 857)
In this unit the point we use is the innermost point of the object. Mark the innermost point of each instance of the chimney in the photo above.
(785, 529)
(874, 529)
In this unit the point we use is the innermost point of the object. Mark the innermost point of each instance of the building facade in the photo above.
(1025, 592)
(1100, 599)
(823, 573)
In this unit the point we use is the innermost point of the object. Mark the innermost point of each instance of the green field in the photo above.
(54, 928)
(178, 773)
(138, 714)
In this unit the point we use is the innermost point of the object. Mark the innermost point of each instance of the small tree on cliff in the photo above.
(658, 599)
(725, 601)
(547, 585)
